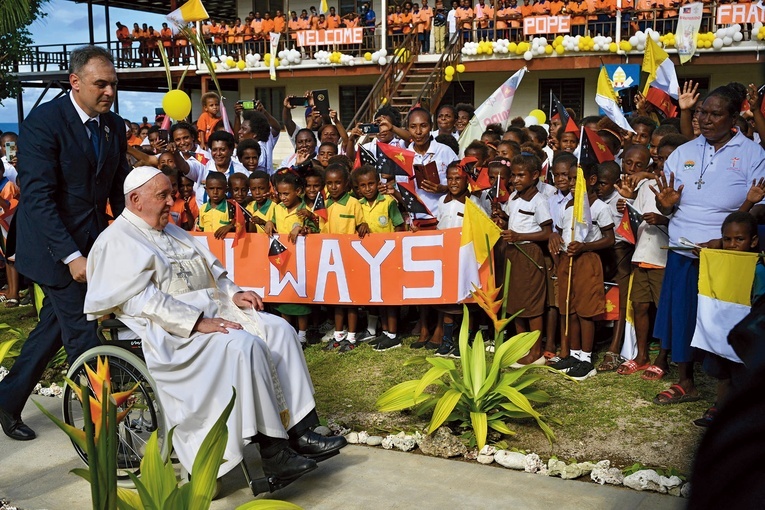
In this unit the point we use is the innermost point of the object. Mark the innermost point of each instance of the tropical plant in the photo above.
(474, 398)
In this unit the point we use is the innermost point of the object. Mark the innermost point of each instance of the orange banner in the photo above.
(729, 14)
(353, 35)
(534, 25)
(381, 269)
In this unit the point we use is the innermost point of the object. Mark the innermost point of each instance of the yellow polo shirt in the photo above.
(265, 212)
(344, 215)
(212, 218)
(285, 220)
(381, 214)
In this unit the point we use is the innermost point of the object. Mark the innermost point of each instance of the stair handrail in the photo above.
(386, 83)
(434, 86)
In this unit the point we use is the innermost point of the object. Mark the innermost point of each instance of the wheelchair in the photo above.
(128, 368)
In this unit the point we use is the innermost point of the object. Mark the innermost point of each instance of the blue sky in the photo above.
(67, 22)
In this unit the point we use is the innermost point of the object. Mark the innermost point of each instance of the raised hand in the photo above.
(755, 101)
(626, 188)
(666, 195)
(757, 192)
(689, 96)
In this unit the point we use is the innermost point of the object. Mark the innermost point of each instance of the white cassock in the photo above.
(158, 283)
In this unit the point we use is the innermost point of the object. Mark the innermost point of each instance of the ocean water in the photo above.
(9, 126)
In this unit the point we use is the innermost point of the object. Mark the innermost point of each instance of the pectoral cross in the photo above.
(184, 274)
(699, 183)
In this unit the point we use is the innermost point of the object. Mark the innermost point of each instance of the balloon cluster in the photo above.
(450, 70)
(667, 40)
(334, 58)
(535, 117)
(267, 60)
(290, 57)
(727, 36)
(253, 60)
(759, 30)
(378, 57)
(638, 40)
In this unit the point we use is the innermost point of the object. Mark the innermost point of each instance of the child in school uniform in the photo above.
(382, 215)
(286, 221)
(9, 200)
(529, 223)
(261, 208)
(587, 296)
(215, 215)
(344, 216)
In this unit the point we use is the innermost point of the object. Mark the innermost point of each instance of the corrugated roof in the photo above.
(218, 9)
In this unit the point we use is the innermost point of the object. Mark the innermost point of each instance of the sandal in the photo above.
(676, 394)
(611, 362)
(707, 418)
(548, 355)
(630, 367)
(11, 303)
(653, 373)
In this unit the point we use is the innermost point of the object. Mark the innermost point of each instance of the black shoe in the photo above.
(582, 370)
(418, 344)
(565, 364)
(311, 444)
(444, 350)
(430, 346)
(388, 343)
(14, 428)
(287, 464)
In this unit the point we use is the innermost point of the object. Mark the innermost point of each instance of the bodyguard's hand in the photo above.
(78, 269)
(248, 299)
(215, 325)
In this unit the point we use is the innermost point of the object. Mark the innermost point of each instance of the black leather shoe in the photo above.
(287, 465)
(15, 428)
(311, 444)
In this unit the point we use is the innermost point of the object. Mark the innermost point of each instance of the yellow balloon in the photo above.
(539, 115)
(230, 62)
(512, 47)
(241, 65)
(276, 62)
(612, 47)
(448, 77)
(267, 57)
(560, 49)
(449, 71)
(460, 68)
(368, 57)
(177, 104)
(548, 50)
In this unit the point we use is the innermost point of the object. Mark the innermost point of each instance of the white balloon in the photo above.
(641, 47)
(382, 61)
(654, 35)
(634, 40)
(756, 27)
(528, 55)
(728, 40)
(738, 37)
(383, 52)
(717, 44)
(737, 28)
(609, 40)
(531, 121)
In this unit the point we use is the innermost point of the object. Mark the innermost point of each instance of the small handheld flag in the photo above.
(397, 161)
(593, 149)
(320, 206)
(239, 222)
(411, 201)
(565, 119)
(278, 253)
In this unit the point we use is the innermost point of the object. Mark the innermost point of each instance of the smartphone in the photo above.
(247, 105)
(159, 111)
(370, 129)
(164, 134)
(10, 150)
(297, 101)
(321, 101)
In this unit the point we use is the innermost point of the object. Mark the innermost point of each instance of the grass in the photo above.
(606, 417)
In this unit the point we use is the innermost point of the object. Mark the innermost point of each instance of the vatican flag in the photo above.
(725, 298)
(191, 11)
(607, 99)
(479, 234)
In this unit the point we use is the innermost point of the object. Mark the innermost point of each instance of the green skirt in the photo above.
(293, 309)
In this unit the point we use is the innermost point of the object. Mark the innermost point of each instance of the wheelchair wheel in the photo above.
(145, 417)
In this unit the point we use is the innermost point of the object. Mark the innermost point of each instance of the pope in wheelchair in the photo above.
(201, 335)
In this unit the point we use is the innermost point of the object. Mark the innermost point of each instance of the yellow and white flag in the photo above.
(609, 101)
(323, 7)
(725, 298)
(660, 69)
(274, 40)
(479, 235)
(191, 11)
(629, 346)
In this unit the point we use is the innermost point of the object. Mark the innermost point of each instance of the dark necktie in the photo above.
(95, 136)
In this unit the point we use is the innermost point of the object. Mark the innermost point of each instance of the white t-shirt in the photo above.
(727, 176)
(599, 218)
(443, 156)
(650, 238)
(545, 189)
(451, 213)
(557, 202)
(451, 21)
(10, 171)
(267, 153)
(527, 216)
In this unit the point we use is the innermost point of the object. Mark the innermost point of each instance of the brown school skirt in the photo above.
(528, 289)
(551, 281)
(588, 297)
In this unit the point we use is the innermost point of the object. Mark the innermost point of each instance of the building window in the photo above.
(569, 91)
(272, 99)
(351, 99)
(459, 92)
(347, 7)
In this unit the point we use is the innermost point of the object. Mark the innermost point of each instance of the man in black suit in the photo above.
(71, 161)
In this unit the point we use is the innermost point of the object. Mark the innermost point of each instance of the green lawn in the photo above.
(606, 417)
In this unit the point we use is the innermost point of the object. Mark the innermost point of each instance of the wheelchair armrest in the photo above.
(112, 324)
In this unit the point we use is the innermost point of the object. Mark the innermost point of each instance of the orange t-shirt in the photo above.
(394, 21)
(426, 14)
(267, 26)
(123, 34)
(670, 10)
(351, 23)
(257, 27)
(314, 22)
(205, 125)
(179, 209)
(10, 192)
(231, 35)
(465, 17)
(167, 37)
(279, 25)
(527, 10)
(153, 37)
(406, 20)
(333, 21)
(556, 7)
(577, 11)
(305, 23)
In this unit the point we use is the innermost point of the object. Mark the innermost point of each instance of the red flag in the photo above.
(398, 161)
(478, 178)
(278, 253)
(499, 193)
(239, 223)
(201, 158)
(412, 202)
(320, 205)
(565, 118)
(593, 149)
(662, 101)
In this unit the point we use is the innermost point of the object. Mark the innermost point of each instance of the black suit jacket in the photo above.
(64, 190)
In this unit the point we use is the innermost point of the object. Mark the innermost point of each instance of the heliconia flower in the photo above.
(500, 324)
(121, 397)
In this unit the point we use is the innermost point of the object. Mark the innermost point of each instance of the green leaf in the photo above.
(443, 409)
(415, 360)
(525, 381)
(478, 364)
(399, 397)
(158, 479)
(430, 376)
(128, 500)
(465, 353)
(425, 407)
(501, 427)
(268, 504)
(5, 347)
(441, 363)
(82, 473)
(517, 398)
(478, 420)
(146, 499)
(517, 348)
(75, 434)
(536, 395)
(208, 461)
